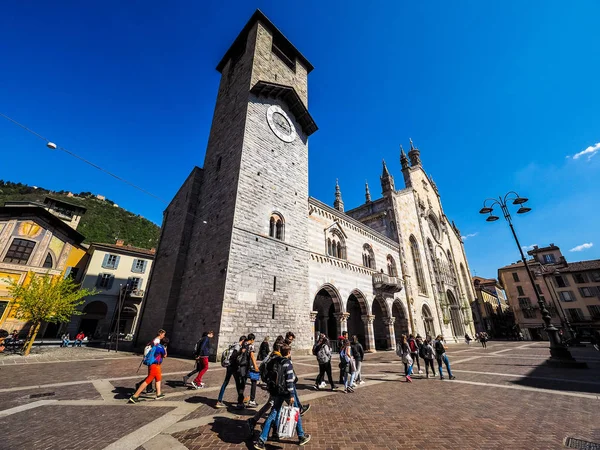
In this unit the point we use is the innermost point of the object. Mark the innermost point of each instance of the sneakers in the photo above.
(304, 440)
(452, 377)
(185, 380)
(408, 379)
(323, 385)
(353, 385)
(361, 382)
(133, 399)
(220, 405)
(305, 409)
(197, 386)
(350, 389)
(316, 388)
(420, 371)
(252, 404)
(159, 396)
(259, 445)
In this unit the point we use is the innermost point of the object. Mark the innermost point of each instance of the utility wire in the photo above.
(96, 166)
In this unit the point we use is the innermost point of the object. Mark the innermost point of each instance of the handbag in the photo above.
(254, 376)
(288, 418)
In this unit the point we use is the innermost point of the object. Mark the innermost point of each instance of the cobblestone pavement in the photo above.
(504, 397)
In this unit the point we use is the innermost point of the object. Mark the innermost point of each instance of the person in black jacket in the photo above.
(264, 349)
(201, 353)
(359, 354)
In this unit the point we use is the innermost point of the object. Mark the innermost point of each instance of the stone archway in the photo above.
(401, 322)
(357, 308)
(93, 314)
(329, 319)
(428, 321)
(383, 326)
(458, 329)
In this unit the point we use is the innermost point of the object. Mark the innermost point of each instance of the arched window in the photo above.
(276, 227)
(391, 266)
(336, 245)
(466, 282)
(48, 262)
(416, 256)
(434, 227)
(368, 257)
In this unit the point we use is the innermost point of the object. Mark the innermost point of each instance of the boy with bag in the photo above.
(153, 359)
(280, 384)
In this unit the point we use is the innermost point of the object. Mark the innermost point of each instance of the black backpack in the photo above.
(275, 376)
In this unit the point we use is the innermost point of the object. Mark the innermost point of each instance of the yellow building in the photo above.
(36, 238)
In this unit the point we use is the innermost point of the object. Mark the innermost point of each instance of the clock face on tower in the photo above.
(281, 124)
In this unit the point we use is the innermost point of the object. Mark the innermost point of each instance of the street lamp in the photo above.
(559, 353)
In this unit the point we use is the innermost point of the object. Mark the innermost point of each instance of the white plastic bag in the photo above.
(288, 418)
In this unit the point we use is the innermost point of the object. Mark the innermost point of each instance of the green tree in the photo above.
(46, 299)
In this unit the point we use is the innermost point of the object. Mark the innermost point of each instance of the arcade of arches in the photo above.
(376, 329)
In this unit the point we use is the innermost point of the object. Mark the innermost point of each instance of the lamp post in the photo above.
(559, 353)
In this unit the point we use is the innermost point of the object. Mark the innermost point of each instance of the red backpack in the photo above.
(413, 346)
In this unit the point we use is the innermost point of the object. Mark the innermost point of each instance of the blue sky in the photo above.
(497, 96)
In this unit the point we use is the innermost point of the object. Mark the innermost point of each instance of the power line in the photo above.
(75, 155)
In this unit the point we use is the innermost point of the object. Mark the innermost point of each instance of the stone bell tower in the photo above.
(245, 255)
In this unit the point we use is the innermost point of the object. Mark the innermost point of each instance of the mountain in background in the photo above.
(104, 221)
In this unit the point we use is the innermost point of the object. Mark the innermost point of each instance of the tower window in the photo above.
(368, 257)
(48, 262)
(336, 245)
(276, 227)
(284, 52)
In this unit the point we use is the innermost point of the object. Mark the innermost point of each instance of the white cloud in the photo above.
(590, 152)
(470, 235)
(582, 247)
(528, 247)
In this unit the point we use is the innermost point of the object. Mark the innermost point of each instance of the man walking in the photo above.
(230, 370)
(280, 395)
(201, 353)
(289, 340)
(358, 353)
(153, 359)
(440, 354)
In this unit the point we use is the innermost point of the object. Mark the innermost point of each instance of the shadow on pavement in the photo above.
(233, 431)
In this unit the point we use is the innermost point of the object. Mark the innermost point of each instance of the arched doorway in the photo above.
(401, 323)
(380, 328)
(428, 321)
(93, 314)
(327, 304)
(357, 307)
(455, 315)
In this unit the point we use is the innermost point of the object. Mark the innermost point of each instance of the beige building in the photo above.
(570, 290)
(244, 248)
(120, 274)
(491, 310)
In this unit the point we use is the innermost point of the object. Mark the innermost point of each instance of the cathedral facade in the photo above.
(244, 248)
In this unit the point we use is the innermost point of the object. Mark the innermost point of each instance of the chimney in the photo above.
(120, 242)
(152, 250)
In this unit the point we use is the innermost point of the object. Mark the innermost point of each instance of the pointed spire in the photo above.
(338, 203)
(367, 193)
(387, 181)
(414, 155)
(403, 159)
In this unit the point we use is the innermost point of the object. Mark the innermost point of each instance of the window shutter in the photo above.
(117, 262)
(140, 281)
(144, 266)
(98, 280)
(134, 265)
(68, 272)
(111, 281)
(105, 261)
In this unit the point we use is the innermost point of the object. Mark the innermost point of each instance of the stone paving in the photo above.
(504, 397)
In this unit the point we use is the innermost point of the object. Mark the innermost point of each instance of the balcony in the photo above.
(383, 282)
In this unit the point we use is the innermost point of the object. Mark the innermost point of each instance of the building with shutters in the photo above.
(571, 291)
(120, 274)
(244, 248)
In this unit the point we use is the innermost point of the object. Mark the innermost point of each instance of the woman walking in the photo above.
(358, 353)
(347, 367)
(406, 359)
(264, 349)
(428, 355)
(322, 351)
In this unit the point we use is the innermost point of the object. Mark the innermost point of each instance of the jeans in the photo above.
(77, 343)
(202, 367)
(358, 377)
(274, 414)
(428, 364)
(228, 375)
(444, 358)
(325, 368)
(349, 379)
(415, 358)
(408, 369)
(296, 399)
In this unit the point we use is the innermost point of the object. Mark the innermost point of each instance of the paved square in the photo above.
(503, 397)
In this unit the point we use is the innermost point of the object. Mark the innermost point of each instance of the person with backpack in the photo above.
(280, 384)
(250, 368)
(227, 359)
(468, 339)
(414, 351)
(440, 355)
(406, 355)
(322, 350)
(428, 354)
(153, 359)
(264, 350)
(358, 353)
(201, 353)
(290, 337)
